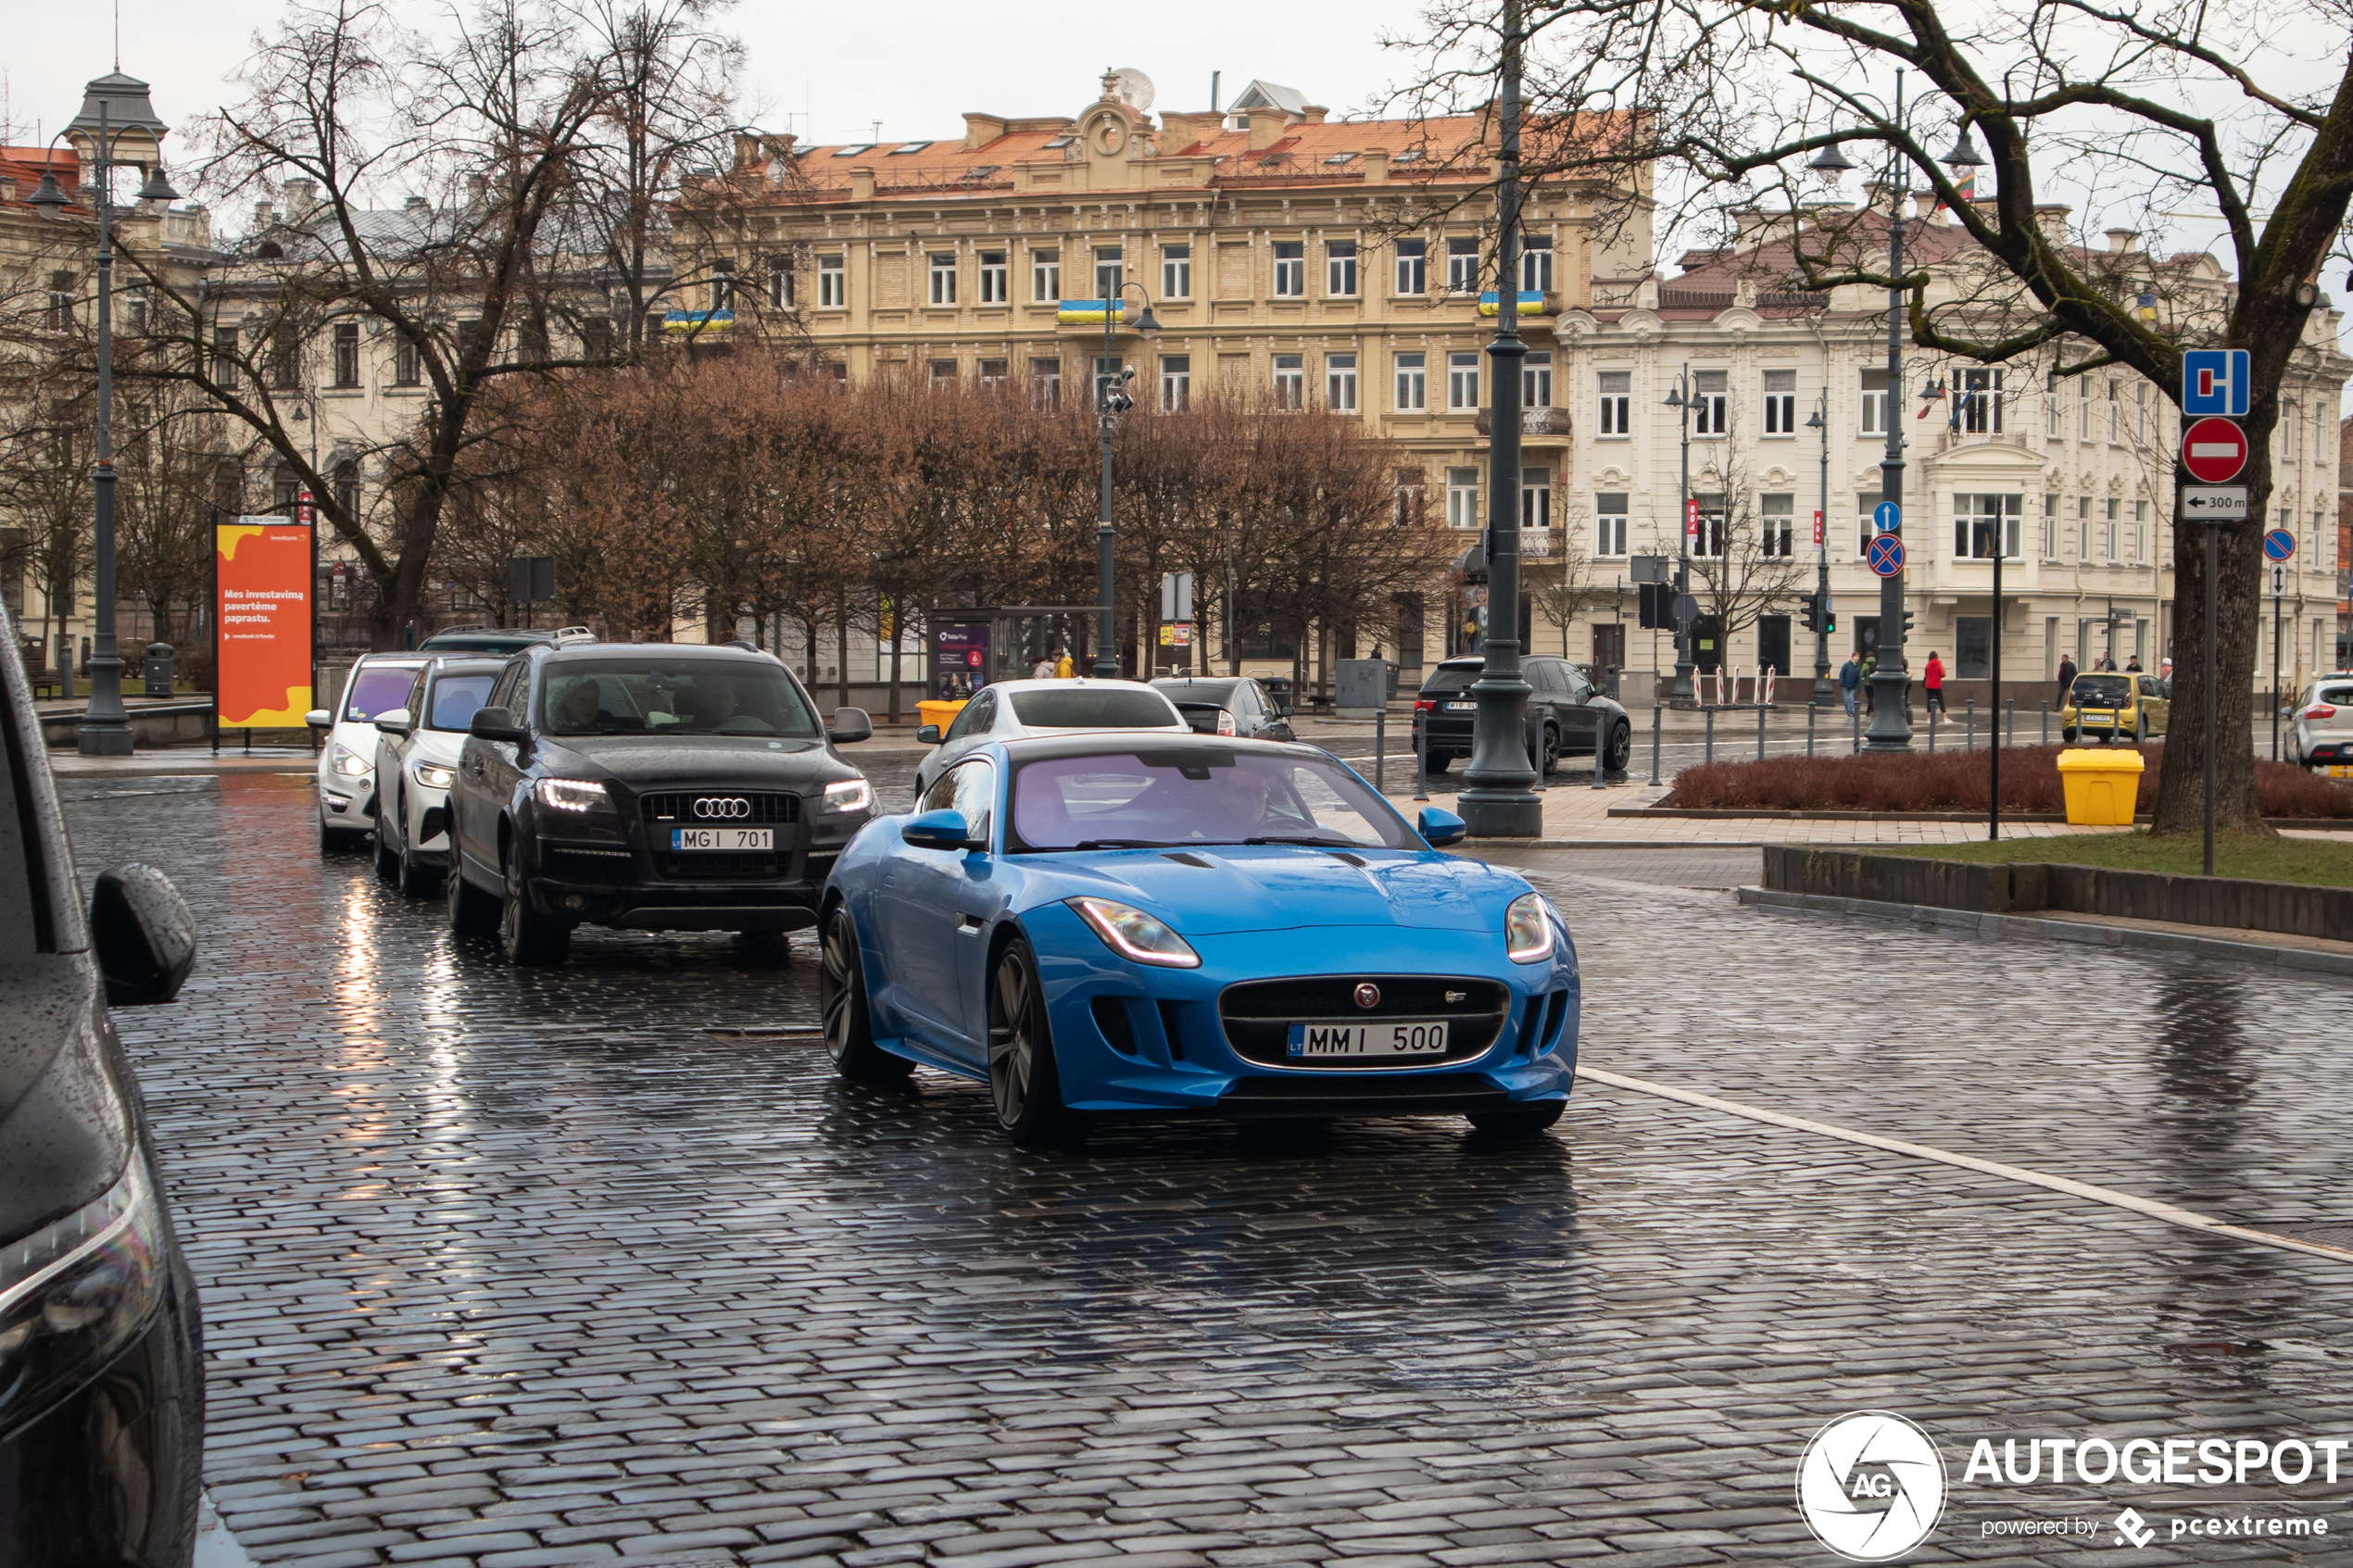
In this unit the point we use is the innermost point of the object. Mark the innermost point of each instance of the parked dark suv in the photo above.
(661, 787)
(1566, 713)
(101, 1353)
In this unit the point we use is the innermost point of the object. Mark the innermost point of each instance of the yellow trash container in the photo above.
(2101, 786)
(944, 714)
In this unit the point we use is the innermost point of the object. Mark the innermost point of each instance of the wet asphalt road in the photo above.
(507, 1268)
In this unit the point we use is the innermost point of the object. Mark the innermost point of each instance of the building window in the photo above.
(992, 375)
(2115, 411)
(2051, 410)
(1045, 276)
(1290, 269)
(2083, 408)
(407, 365)
(943, 374)
(1291, 381)
(1980, 409)
(780, 285)
(1776, 520)
(347, 342)
(2050, 527)
(1609, 523)
(996, 285)
(1536, 379)
(1109, 271)
(1618, 387)
(1536, 265)
(1462, 266)
(1340, 383)
(1982, 523)
(1413, 383)
(1176, 383)
(1046, 383)
(1710, 538)
(1462, 382)
(833, 284)
(1462, 498)
(943, 279)
(60, 313)
(2114, 507)
(347, 484)
(1176, 271)
(1412, 267)
(1536, 499)
(1408, 495)
(1781, 402)
(1340, 269)
(134, 312)
(1711, 393)
(224, 356)
(1874, 403)
(1864, 506)
(286, 360)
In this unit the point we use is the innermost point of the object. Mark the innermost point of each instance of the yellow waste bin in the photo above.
(944, 714)
(2101, 786)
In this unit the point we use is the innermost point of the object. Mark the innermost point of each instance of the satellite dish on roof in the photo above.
(1135, 89)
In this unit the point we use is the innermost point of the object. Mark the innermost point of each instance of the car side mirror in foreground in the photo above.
(1440, 828)
(937, 830)
(143, 934)
(318, 717)
(394, 723)
(493, 723)
(850, 724)
(928, 734)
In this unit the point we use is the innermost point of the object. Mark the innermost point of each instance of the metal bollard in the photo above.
(1599, 740)
(1810, 729)
(1931, 729)
(1421, 762)
(1760, 732)
(2010, 720)
(1654, 713)
(1380, 748)
(1855, 719)
(1969, 707)
(2045, 706)
(1710, 754)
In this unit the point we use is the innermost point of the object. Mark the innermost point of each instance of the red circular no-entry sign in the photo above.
(2214, 450)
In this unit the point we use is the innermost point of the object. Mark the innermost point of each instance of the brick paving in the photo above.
(512, 1268)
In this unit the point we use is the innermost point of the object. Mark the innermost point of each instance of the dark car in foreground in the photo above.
(1227, 706)
(655, 787)
(1568, 715)
(101, 1363)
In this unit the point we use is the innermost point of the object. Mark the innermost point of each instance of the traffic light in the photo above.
(1813, 612)
(1650, 614)
(1907, 625)
(1830, 616)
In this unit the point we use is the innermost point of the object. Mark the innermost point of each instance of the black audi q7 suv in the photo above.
(101, 1352)
(653, 786)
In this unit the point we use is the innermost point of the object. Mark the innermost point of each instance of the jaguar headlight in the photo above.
(849, 795)
(75, 1293)
(1528, 929)
(349, 763)
(433, 776)
(1136, 935)
(573, 795)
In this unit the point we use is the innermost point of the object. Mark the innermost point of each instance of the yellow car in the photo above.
(2116, 707)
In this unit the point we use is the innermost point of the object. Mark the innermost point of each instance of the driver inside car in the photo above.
(580, 709)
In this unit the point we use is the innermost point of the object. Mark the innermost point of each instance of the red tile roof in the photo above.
(24, 165)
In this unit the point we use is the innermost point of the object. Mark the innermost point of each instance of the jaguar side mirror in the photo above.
(493, 723)
(928, 734)
(143, 934)
(394, 722)
(850, 724)
(1439, 828)
(937, 830)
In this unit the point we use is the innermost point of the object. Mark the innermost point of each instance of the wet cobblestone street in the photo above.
(602, 1263)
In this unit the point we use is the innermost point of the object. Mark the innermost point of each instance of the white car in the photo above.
(378, 684)
(1011, 708)
(2323, 739)
(417, 748)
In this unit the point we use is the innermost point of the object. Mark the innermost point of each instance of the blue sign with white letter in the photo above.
(1887, 517)
(2214, 381)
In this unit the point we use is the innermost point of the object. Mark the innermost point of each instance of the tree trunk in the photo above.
(2181, 784)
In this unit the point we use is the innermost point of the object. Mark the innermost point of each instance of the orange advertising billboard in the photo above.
(261, 608)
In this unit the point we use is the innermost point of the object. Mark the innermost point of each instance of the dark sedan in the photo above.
(1568, 715)
(1235, 705)
(660, 788)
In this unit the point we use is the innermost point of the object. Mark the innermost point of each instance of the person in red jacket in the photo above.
(1933, 677)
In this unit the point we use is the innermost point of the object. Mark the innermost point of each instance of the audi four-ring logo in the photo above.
(716, 805)
(1368, 995)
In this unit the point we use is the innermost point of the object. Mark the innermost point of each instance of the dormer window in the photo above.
(1411, 155)
(1339, 158)
(908, 147)
(982, 171)
(1060, 141)
(1239, 123)
(854, 151)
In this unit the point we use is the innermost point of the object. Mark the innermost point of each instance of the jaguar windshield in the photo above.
(1148, 798)
(650, 695)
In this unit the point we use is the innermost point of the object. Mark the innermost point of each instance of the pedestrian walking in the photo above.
(1933, 676)
(1044, 669)
(1850, 675)
(2067, 677)
(2132, 665)
(1870, 693)
(1064, 668)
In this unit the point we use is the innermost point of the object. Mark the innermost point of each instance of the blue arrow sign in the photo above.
(1887, 517)
(2279, 544)
(1886, 554)
(2214, 381)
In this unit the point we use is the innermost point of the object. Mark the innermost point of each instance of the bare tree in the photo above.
(2154, 109)
(1746, 565)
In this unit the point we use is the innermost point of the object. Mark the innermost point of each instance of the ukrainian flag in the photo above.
(1087, 312)
(1529, 305)
(698, 320)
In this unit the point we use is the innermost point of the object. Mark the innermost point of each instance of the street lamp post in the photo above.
(1681, 695)
(1112, 400)
(1823, 696)
(105, 726)
(1497, 800)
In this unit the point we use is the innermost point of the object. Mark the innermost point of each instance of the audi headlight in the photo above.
(74, 1294)
(350, 763)
(1528, 929)
(574, 794)
(850, 795)
(433, 776)
(1134, 935)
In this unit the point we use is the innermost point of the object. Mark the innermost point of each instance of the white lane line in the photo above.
(2187, 1219)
